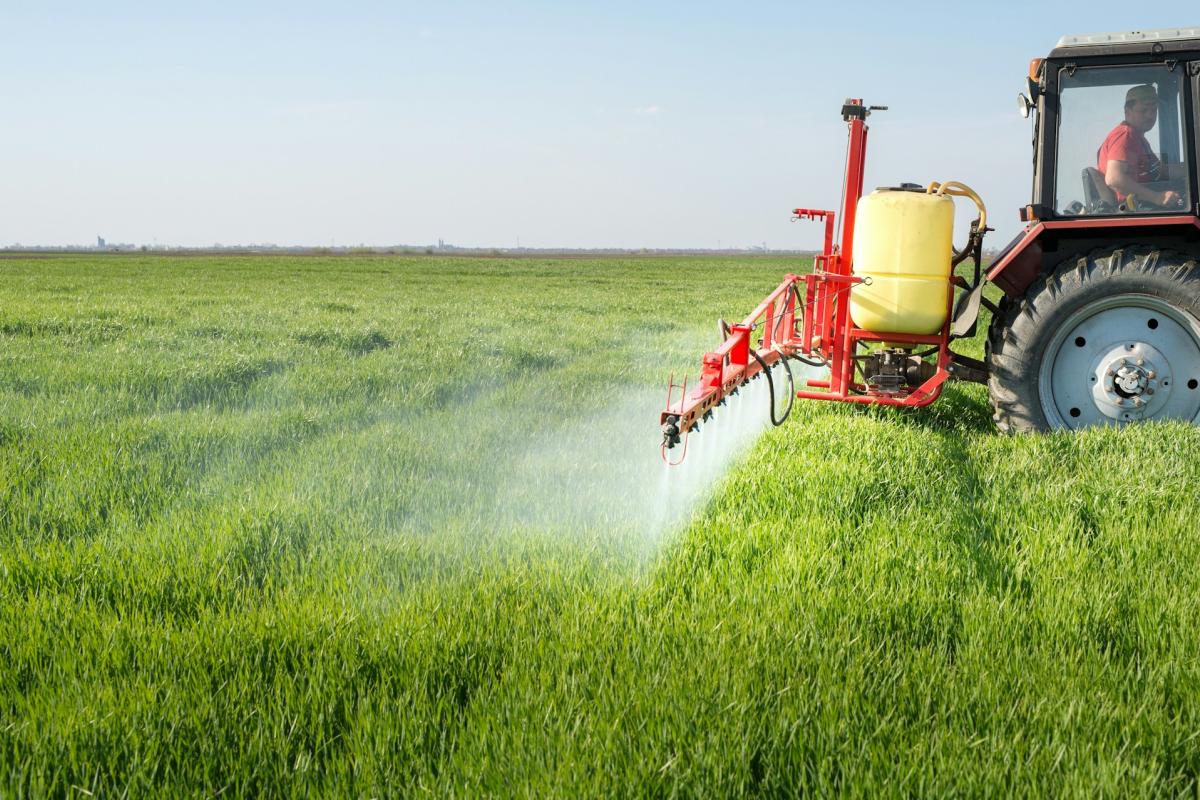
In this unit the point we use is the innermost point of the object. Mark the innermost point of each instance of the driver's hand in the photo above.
(1171, 199)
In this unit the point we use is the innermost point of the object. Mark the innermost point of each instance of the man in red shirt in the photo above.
(1125, 158)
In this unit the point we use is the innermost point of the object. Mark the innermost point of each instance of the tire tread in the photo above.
(1011, 346)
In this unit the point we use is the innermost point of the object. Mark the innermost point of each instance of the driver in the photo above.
(1126, 160)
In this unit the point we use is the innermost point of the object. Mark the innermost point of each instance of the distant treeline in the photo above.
(409, 250)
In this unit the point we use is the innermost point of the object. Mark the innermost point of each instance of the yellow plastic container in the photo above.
(902, 242)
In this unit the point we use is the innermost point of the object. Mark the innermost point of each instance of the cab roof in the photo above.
(1161, 40)
(1129, 37)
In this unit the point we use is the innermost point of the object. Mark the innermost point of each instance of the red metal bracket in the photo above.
(818, 214)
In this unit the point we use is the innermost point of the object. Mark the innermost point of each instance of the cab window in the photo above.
(1121, 148)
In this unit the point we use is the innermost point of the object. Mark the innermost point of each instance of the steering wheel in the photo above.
(1178, 204)
(1137, 205)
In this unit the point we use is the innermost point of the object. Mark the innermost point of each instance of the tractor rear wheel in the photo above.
(1108, 338)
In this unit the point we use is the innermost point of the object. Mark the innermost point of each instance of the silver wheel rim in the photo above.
(1127, 358)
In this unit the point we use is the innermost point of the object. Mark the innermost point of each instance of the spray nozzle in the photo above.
(670, 431)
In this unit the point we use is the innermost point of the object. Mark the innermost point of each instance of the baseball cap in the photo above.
(1146, 93)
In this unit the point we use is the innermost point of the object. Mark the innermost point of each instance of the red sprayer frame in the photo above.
(828, 333)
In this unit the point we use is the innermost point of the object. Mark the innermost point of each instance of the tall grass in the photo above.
(380, 526)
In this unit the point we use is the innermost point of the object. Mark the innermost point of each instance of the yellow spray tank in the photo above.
(903, 250)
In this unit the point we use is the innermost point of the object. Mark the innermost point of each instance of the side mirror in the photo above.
(1024, 105)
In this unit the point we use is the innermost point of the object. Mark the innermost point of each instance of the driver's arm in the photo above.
(1119, 177)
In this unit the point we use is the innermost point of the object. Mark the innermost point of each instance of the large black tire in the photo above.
(1133, 301)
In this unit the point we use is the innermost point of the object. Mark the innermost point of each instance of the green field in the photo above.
(384, 526)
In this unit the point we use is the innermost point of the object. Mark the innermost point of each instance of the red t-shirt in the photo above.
(1124, 143)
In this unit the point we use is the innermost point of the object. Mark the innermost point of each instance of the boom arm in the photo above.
(731, 365)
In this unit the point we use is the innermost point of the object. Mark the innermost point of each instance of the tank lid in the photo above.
(904, 187)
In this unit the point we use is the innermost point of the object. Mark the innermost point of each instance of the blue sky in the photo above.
(609, 124)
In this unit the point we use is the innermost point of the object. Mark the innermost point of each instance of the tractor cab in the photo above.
(1115, 151)
(1128, 98)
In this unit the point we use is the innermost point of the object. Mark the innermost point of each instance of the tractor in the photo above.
(1097, 317)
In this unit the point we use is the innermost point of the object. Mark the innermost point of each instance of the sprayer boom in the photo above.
(880, 330)
(739, 359)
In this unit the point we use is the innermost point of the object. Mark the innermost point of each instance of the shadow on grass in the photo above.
(959, 410)
(354, 343)
(954, 420)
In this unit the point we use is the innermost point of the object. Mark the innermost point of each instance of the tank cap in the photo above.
(904, 187)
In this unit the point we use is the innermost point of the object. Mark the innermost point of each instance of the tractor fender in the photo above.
(1019, 263)
(1042, 244)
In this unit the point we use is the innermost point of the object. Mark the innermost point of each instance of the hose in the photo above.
(957, 189)
(817, 364)
(791, 290)
(771, 387)
(779, 324)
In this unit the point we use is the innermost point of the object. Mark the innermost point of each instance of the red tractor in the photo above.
(1099, 320)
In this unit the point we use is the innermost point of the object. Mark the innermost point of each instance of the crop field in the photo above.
(390, 526)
